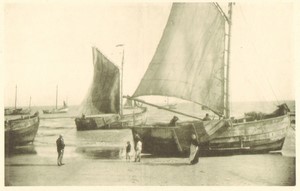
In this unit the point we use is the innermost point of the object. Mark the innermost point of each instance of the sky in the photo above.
(50, 44)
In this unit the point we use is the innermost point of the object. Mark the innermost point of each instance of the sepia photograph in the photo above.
(140, 93)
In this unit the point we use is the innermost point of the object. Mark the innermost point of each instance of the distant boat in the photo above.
(21, 131)
(169, 105)
(293, 117)
(103, 108)
(63, 109)
(191, 62)
(18, 111)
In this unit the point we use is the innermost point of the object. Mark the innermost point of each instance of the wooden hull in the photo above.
(215, 137)
(251, 137)
(21, 131)
(162, 139)
(54, 111)
(18, 111)
(111, 121)
(293, 117)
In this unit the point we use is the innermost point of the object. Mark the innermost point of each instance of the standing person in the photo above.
(206, 118)
(60, 145)
(173, 121)
(128, 149)
(138, 151)
(194, 150)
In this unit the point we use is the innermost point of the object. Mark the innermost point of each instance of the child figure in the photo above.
(138, 151)
(128, 149)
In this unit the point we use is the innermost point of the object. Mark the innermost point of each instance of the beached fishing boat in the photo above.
(63, 109)
(21, 131)
(18, 111)
(103, 108)
(191, 62)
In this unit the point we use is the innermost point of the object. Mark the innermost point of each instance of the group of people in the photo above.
(138, 149)
(194, 147)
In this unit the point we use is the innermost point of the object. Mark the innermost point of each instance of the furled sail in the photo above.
(104, 94)
(189, 60)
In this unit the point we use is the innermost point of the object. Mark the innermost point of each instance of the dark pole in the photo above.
(227, 113)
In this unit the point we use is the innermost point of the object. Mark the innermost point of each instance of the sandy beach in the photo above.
(240, 170)
(35, 165)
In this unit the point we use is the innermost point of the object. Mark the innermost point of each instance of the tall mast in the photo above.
(227, 73)
(121, 80)
(16, 97)
(121, 91)
(56, 96)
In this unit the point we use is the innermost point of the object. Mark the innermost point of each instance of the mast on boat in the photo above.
(16, 97)
(56, 96)
(227, 65)
(121, 80)
(228, 19)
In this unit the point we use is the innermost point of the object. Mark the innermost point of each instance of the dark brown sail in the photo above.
(104, 94)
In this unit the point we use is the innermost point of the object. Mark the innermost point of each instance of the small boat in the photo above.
(191, 63)
(18, 111)
(63, 109)
(103, 108)
(169, 105)
(21, 131)
(293, 117)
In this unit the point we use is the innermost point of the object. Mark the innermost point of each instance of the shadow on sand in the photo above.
(30, 165)
(168, 164)
(20, 150)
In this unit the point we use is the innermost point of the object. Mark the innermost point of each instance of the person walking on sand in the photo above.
(138, 151)
(60, 145)
(128, 149)
(194, 150)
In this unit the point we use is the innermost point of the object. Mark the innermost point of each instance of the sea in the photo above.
(91, 143)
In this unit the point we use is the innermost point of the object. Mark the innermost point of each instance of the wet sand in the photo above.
(239, 170)
(36, 166)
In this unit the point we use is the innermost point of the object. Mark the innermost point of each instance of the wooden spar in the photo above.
(226, 63)
(121, 89)
(221, 11)
(227, 104)
(16, 97)
(56, 96)
(159, 107)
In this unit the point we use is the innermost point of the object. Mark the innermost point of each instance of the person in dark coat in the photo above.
(194, 150)
(128, 149)
(173, 121)
(60, 145)
(206, 118)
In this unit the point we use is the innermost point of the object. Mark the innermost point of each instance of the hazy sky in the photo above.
(50, 44)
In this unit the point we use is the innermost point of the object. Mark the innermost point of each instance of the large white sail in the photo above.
(104, 93)
(189, 60)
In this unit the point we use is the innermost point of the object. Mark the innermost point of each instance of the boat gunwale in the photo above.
(234, 136)
(178, 126)
(257, 121)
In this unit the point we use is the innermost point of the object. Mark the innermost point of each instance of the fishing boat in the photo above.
(21, 131)
(103, 108)
(63, 109)
(192, 62)
(18, 111)
(169, 105)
